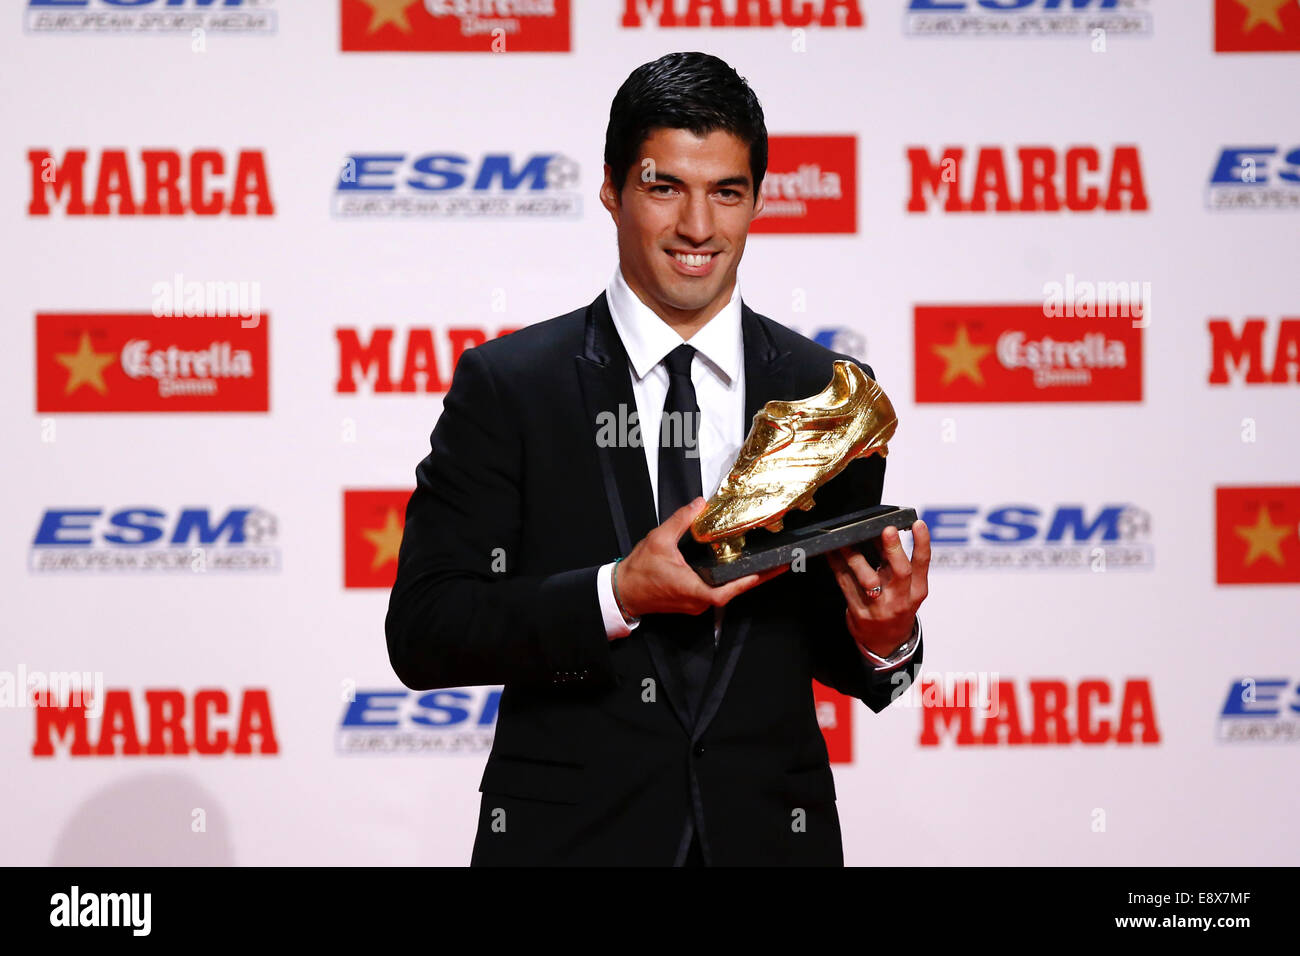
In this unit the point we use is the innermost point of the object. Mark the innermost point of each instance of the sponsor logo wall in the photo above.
(1062, 232)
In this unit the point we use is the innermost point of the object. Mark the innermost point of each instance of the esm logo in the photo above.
(192, 18)
(1250, 178)
(1024, 537)
(1261, 710)
(152, 539)
(443, 185)
(456, 720)
(1002, 19)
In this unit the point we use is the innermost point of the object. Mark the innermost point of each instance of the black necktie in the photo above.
(680, 484)
(679, 475)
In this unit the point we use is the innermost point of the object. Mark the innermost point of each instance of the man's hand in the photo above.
(883, 623)
(655, 578)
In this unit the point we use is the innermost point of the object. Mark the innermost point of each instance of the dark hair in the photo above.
(692, 91)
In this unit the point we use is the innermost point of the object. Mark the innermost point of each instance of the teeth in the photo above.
(688, 260)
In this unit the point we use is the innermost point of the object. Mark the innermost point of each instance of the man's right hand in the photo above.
(655, 578)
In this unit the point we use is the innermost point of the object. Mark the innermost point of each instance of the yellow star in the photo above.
(1263, 11)
(387, 540)
(85, 367)
(1264, 537)
(388, 11)
(963, 357)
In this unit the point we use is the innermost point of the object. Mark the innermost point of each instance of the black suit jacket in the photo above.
(515, 509)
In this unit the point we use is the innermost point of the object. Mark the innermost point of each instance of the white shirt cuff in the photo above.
(900, 656)
(615, 625)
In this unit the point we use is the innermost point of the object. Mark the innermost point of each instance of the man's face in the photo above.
(682, 217)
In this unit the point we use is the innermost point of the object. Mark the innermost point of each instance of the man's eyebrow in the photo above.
(737, 180)
(733, 181)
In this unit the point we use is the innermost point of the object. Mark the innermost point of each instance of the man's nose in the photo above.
(696, 221)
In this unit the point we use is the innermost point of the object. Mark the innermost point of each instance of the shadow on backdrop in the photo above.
(146, 820)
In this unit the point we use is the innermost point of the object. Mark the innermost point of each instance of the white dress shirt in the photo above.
(719, 379)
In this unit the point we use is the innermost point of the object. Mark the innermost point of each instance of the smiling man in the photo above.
(646, 718)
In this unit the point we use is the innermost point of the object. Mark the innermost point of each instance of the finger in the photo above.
(867, 576)
(896, 556)
(725, 592)
(677, 522)
(921, 558)
(837, 558)
(848, 583)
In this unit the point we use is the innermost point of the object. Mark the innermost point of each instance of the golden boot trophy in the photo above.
(792, 450)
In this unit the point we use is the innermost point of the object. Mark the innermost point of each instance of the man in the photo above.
(646, 718)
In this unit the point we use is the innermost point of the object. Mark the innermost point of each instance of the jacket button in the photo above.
(699, 750)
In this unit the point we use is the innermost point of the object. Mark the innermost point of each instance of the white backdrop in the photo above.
(298, 633)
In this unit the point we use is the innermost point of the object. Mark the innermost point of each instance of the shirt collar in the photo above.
(648, 338)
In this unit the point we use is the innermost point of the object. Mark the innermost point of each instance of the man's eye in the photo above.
(658, 186)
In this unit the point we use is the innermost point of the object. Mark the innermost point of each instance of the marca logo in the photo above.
(1060, 713)
(400, 721)
(101, 362)
(161, 182)
(1251, 178)
(1018, 537)
(1257, 534)
(835, 718)
(1256, 26)
(456, 186)
(1261, 710)
(1049, 180)
(427, 358)
(1246, 358)
(810, 185)
(496, 26)
(176, 724)
(742, 13)
(1027, 18)
(142, 538)
(150, 17)
(372, 536)
(1014, 353)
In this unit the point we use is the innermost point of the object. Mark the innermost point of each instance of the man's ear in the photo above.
(610, 195)
(758, 205)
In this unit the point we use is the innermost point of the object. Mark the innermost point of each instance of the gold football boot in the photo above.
(792, 450)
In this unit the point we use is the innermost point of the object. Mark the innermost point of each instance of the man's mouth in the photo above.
(694, 258)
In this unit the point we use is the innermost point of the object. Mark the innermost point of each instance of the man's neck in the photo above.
(684, 322)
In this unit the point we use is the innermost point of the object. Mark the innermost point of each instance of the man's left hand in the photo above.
(883, 622)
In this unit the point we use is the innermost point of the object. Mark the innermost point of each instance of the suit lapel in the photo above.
(769, 375)
(606, 383)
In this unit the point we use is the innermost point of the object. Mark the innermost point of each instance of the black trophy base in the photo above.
(765, 550)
